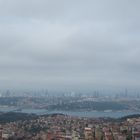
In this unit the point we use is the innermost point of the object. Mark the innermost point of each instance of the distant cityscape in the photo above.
(111, 94)
(71, 101)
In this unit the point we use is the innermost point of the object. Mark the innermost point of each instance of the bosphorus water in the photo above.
(95, 114)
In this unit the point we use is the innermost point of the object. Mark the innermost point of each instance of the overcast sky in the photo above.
(69, 44)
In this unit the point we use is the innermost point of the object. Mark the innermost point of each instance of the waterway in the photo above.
(95, 114)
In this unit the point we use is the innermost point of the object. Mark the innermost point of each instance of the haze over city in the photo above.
(69, 69)
(69, 45)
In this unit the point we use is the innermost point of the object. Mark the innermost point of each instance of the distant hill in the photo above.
(130, 116)
(12, 116)
(89, 105)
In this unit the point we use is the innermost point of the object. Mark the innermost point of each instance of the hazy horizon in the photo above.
(70, 45)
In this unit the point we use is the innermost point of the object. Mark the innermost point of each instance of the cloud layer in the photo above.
(71, 45)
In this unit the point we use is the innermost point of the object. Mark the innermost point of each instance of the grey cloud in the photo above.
(69, 44)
